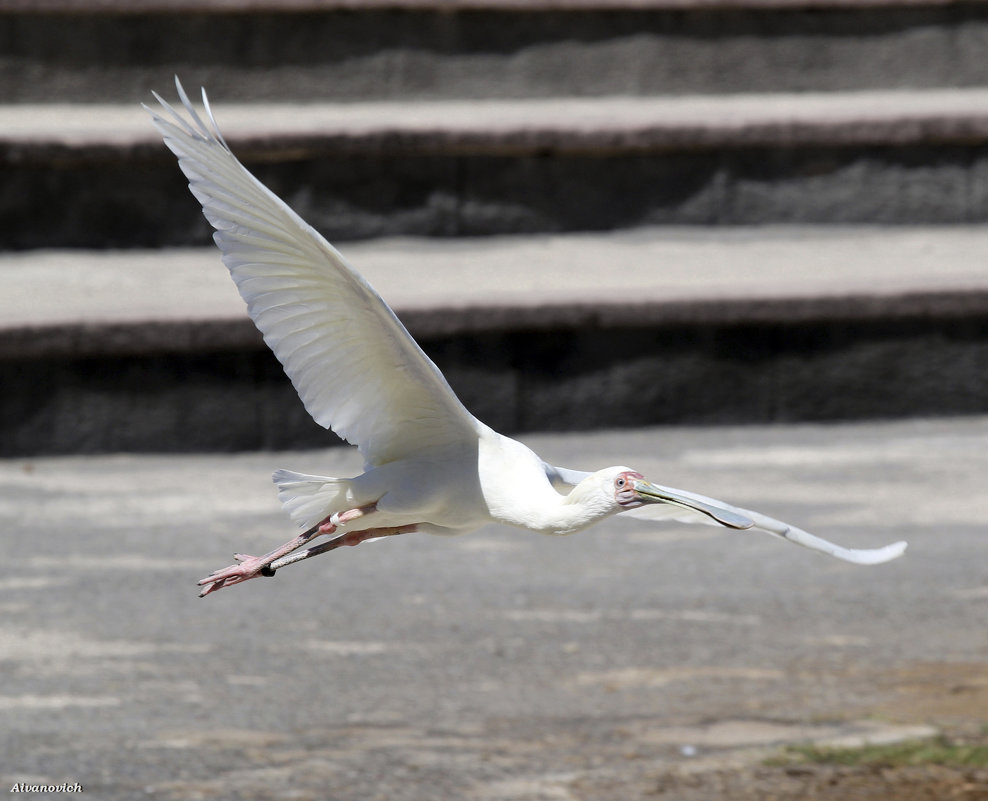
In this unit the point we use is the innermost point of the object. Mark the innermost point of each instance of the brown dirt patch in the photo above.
(830, 783)
(953, 697)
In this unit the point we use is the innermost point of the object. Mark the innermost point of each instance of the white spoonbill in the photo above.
(430, 465)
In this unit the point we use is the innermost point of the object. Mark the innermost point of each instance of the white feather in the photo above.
(352, 362)
(430, 465)
(309, 499)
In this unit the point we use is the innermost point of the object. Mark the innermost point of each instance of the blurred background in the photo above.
(737, 244)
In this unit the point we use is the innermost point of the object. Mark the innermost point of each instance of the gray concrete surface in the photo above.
(127, 7)
(98, 177)
(152, 351)
(369, 48)
(498, 665)
(547, 125)
(59, 302)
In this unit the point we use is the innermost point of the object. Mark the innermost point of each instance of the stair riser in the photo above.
(148, 205)
(517, 381)
(359, 55)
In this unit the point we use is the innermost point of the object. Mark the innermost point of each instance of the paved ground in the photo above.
(625, 662)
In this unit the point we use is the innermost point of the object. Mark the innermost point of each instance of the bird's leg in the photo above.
(342, 518)
(350, 538)
(249, 567)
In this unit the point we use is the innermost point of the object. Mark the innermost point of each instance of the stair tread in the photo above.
(599, 124)
(73, 301)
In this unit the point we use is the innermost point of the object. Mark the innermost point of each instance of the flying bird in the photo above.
(429, 465)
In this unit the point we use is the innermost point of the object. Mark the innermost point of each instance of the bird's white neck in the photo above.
(518, 492)
(547, 511)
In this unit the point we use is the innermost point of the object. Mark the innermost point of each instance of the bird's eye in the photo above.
(621, 481)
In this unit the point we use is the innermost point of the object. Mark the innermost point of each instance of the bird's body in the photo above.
(508, 485)
(430, 465)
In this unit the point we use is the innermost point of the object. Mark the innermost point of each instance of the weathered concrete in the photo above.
(501, 665)
(98, 177)
(574, 126)
(85, 303)
(358, 50)
(153, 351)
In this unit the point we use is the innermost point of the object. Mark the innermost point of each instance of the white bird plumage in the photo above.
(429, 464)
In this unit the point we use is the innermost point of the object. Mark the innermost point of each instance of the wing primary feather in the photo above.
(192, 109)
(209, 113)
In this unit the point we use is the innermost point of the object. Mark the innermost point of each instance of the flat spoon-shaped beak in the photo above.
(652, 493)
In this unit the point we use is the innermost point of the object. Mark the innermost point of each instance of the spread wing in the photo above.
(354, 365)
(690, 507)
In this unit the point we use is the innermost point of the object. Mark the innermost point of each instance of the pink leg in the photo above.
(351, 538)
(249, 567)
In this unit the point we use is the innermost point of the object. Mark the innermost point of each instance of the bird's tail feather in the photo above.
(308, 499)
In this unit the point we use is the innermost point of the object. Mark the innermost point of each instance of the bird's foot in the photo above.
(247, 567)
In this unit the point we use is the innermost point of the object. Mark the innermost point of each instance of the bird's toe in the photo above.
(247, 567)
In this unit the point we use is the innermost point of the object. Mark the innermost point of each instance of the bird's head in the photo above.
(625, 486)
(618, 489)
(608, 491)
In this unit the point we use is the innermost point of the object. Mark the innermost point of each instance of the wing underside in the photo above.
(352, 362)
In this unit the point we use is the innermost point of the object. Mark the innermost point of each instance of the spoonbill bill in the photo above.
(430, 465)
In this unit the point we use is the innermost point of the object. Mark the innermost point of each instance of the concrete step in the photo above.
(152, 350)
(116, 50)
(98, 176)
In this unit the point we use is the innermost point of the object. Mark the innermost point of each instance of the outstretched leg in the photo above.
(350, 538)
(249, 567)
